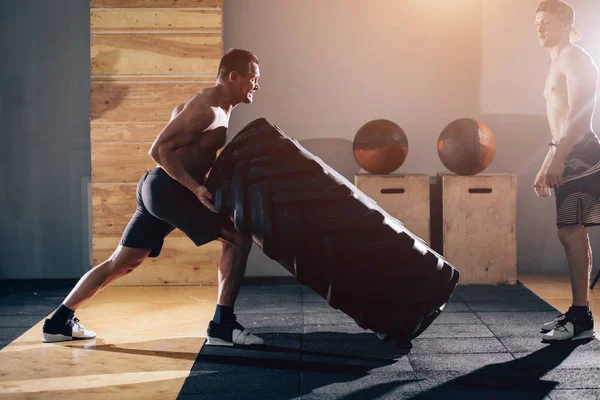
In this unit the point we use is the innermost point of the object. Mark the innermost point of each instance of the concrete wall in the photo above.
(44, 139)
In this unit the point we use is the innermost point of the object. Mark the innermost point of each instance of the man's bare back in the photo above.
(199, 155)
(187, 146)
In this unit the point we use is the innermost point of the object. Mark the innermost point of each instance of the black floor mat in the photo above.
(485, 345)
(23, 303)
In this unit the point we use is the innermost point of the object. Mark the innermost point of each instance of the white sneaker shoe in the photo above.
(230, 335)
(548, 326)
(571, 328)
(72, 330)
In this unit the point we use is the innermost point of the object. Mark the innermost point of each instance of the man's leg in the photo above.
(123, 261)
(575, 240)
(577, 322)
(236, 248)
(224, 330)
(61, 325)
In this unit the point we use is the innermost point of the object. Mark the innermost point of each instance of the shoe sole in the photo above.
(583, 335)
(54, 338)
(218, 342)
(50, 338)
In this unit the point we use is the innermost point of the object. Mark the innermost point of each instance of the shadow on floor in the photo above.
(520, 378)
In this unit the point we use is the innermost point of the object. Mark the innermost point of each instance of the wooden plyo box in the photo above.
(474, 225)
(404, 197)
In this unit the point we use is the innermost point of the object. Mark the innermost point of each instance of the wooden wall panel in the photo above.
(156, 4)
(142, 20)
(130, 79)
(125, 132)
(113, 204)
(197, 54)
(120, 162)
(180, 262)
(138, 102)
(147, 56)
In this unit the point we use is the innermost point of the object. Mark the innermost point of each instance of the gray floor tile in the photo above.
(514, 305)
(456, 362)
(322, 319)
(344, 329)
(525, 318)
(456, 331)
(19, 321)
(575, 394)
(354, 365)
(576, 360)
(228, 385)
(457, 318)
(358, 345)
(379, 385)
(456, 345)
(260, 323)
(575, 378)
(515, 330)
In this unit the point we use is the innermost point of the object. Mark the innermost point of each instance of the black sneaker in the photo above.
(230, 334)
(72, 330)
(572, 327)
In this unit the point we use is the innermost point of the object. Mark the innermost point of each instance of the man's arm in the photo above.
(540, 186)
(582, 79)
(181, 131)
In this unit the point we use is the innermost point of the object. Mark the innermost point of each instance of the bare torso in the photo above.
(557, 104)
(199, 156)
(556, 93)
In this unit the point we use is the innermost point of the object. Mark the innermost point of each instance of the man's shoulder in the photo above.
(202, 98)
(576, 56)
(201, 102)
(197, 109)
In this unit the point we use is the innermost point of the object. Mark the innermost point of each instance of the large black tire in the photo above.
(330, 235)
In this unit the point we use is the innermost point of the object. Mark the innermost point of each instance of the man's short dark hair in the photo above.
(237, 60)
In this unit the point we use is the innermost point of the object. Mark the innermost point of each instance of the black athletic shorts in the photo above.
(578, 198)
(164, 204)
